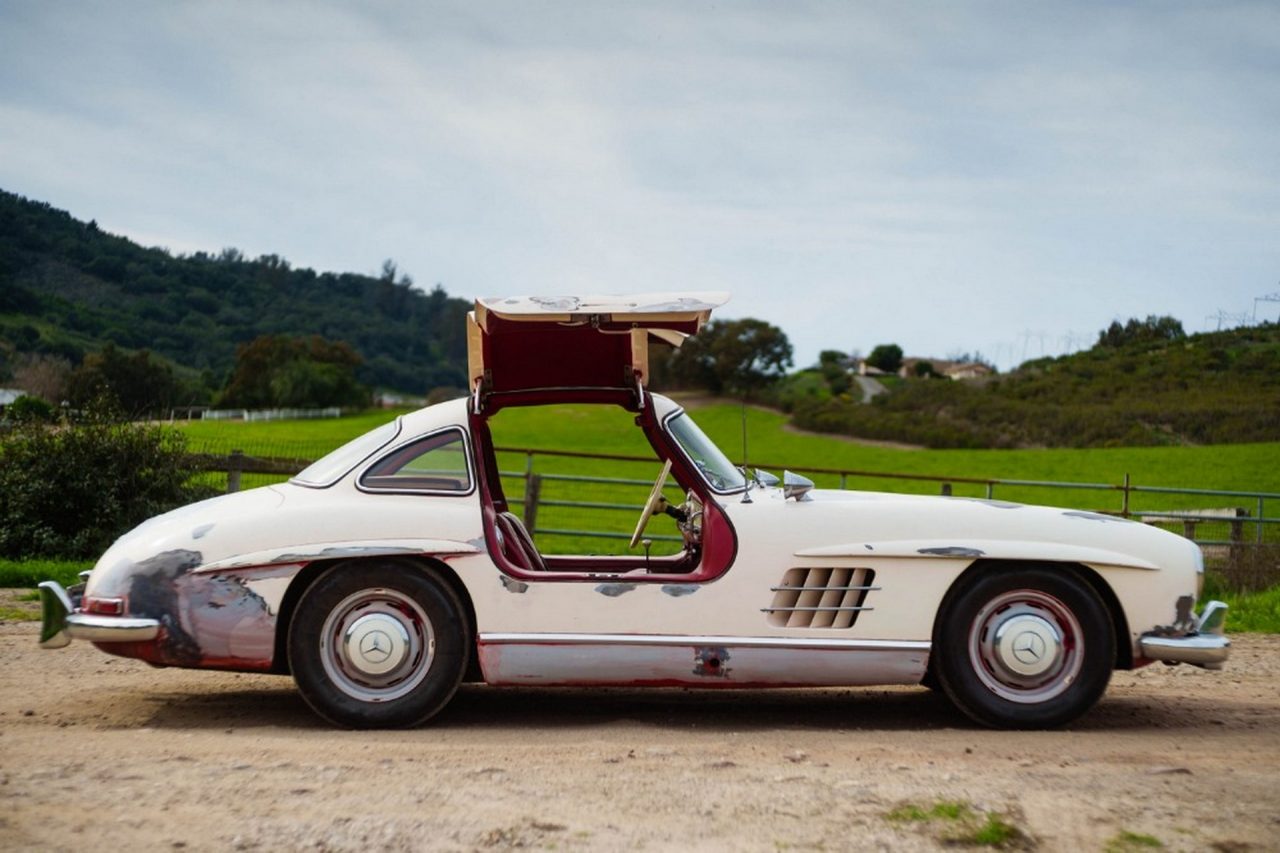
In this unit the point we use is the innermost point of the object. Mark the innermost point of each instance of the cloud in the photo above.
(951, 178)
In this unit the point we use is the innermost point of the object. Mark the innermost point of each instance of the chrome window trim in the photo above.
(666, 428)
(387, 451)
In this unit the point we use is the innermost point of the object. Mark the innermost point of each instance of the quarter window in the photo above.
(437, 463)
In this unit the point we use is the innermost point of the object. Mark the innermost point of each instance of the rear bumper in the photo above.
(1205, 646)
(61, 623)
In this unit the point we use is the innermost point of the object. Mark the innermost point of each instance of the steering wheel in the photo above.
(651, 505)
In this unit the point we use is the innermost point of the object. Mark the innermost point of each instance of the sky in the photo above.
(1001, 178)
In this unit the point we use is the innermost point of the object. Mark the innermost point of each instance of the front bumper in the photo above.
(62, 622)
(1204, 645)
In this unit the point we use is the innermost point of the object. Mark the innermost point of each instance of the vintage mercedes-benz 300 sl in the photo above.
(393, 569)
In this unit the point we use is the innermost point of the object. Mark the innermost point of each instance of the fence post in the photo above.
(532, 491)
(235, 464)
(1257, 526)
(1124, 508)
(946, 490)
(1236, 553)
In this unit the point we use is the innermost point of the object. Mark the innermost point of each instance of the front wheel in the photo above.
(1027, 648)
(378, 645)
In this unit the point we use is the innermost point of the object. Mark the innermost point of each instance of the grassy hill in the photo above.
(67, 288)
(1211, 388)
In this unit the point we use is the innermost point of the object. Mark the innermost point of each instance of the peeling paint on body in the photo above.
(153, 592)
(512, 585)
(953, 551)
(345, 551)
(217, 620)
(711, 662)
(200, 531)
(675, 590)
(613, 590)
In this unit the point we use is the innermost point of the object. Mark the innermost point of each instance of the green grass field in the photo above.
(1240, 467)
(1249, 467)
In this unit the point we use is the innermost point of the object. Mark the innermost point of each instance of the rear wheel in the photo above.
(1027, 648)
(378, 645)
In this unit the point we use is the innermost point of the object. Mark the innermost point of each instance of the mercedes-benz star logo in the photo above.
(1029, 647)
(375, 647)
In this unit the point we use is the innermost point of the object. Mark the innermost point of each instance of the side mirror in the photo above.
(795, 486)
(765, 479)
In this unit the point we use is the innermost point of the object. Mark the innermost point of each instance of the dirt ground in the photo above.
(99, 752)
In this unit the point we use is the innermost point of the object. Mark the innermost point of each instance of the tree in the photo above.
(886, 357)
(834, 366)
(278, 370)
(43, 376)
(1149, 330)
(924, 370)
(133, 384)
(733, 356)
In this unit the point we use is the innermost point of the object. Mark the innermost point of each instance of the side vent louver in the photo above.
(820, 598)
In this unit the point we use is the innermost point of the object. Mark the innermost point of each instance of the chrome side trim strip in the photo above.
(558, 639)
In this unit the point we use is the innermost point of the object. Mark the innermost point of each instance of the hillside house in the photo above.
(943, 367)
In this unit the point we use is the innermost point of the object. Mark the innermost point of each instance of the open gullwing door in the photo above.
(526, 343)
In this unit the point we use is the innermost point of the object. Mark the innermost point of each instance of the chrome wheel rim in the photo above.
(1026, 646)
(377, 645)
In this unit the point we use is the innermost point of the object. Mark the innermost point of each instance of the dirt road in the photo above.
(99, 753)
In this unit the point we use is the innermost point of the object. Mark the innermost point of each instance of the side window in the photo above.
(437, 463)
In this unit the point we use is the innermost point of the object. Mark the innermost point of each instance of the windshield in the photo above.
(326, 471)
(714, 465)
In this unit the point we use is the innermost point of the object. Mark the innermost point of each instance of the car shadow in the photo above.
(481, 707)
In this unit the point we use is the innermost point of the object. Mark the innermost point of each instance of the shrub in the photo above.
(70, 491)
(27, 408)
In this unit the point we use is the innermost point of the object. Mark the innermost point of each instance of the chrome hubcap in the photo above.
(377, 645)
(1026, 646)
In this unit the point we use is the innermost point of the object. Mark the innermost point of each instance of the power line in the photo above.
(1270, 297)
(1229, 319)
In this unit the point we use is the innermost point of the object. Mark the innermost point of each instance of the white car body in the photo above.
(778, 586)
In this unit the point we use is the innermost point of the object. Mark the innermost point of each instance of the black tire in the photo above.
(378, 644)
(1026, 648)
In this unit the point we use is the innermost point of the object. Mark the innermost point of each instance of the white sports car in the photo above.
(390, 571)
